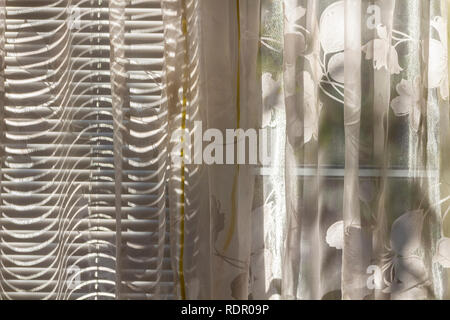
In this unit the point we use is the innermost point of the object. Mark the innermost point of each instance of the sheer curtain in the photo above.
(355, 202)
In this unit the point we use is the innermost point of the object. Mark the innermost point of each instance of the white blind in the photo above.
(59, 218)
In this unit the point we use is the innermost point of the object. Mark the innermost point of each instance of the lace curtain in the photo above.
(355, 202)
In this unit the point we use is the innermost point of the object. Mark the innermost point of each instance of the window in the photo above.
(59, 219)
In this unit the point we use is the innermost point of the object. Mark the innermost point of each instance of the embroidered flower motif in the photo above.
(272, 97)
(409, 280)
(404, 272)
(332, 42)
(335, 235)
(438, 59)
(409, 275)
(409, 102)
(292, 13)
(382, 52)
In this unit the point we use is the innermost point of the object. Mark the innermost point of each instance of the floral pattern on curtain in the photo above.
(355, 203)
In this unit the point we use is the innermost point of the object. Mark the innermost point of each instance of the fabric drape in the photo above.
(355, 202)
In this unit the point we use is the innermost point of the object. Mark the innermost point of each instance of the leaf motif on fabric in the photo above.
(272, 97)
(438, 58)
(406, 232)
(409, 101)
(411, 279)
(316, 67)
(219, 218)
(442, 255)
(239, 285)
(437, 63)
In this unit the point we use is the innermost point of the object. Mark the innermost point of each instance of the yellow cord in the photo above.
(182, 196)
(238, 124)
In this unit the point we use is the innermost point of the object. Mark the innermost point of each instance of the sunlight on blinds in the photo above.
(83, 169)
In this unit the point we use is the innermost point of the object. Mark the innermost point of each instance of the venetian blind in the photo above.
(83, 166)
